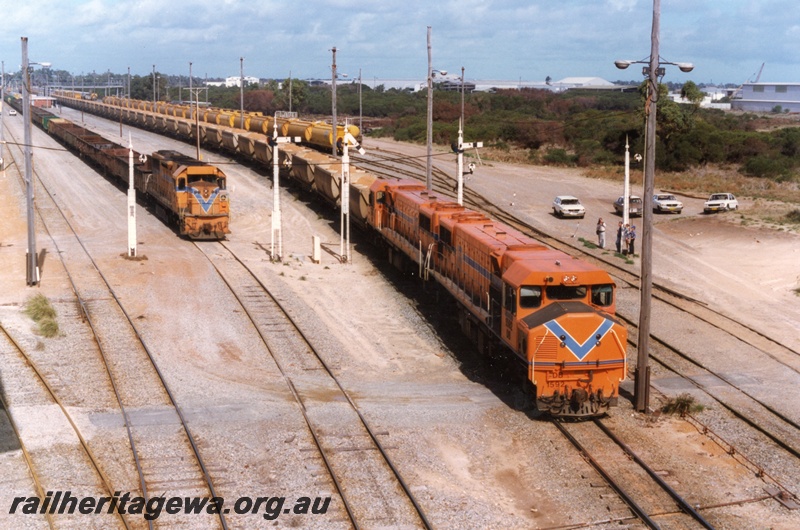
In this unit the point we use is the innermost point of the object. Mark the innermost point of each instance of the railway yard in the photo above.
(204, 369)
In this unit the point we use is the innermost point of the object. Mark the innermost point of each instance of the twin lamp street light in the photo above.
(653, 71)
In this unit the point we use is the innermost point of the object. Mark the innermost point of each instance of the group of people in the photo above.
(626, 234)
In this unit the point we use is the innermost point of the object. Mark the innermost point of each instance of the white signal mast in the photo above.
(344, 232)
(276, 254)
(460, 171)
(132, 200)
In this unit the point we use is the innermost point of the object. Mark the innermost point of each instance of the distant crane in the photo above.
(736, 93)
(758, 76)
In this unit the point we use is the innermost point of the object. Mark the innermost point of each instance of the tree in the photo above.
(692, 93)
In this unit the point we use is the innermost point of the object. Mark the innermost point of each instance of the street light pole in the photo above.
(653, 71)
(642, 388)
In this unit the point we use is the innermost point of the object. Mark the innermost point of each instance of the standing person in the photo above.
(620, 231)
(631, 239)
(601, 233)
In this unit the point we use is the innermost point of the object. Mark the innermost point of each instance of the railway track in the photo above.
(165, 458)
(371, 488)
(639, 486)
(36, 382)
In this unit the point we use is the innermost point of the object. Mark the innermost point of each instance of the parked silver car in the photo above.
(635, 205)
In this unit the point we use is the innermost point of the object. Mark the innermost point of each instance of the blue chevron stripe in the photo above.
(579, 350)
(204, 204)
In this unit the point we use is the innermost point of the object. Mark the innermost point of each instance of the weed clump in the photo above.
(682, 405)
(38, 308)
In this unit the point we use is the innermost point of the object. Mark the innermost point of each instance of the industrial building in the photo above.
(768, 97)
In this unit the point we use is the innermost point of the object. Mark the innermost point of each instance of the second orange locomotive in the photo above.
(553, 311)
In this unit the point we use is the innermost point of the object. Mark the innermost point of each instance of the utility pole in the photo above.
(2, 112)
(32, 260)
(333, 103)
(241, 87)
(642, 388)
(428, 183)
(653, 71)
(194, 106)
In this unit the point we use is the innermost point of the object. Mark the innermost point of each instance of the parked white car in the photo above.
(568, 206)
(720, 202)
(665, 202)
(12, 112)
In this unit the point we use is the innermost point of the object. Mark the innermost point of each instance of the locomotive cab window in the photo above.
(602, 295)
(565, 292)
(424, 222)
(445, 235)
(510, 299)
(202, 178)
(221, 183)
(181, 183)
(530, 296)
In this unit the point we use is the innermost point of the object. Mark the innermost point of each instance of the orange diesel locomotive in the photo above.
(553, 311)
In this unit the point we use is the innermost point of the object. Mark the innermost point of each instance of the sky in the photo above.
(526, 40)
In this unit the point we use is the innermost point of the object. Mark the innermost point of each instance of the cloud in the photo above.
(500, 39)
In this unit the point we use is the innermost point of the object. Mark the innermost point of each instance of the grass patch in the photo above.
(587, 243)
(682, 405)
(793, 216)
(39, 309)
(627, 259)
